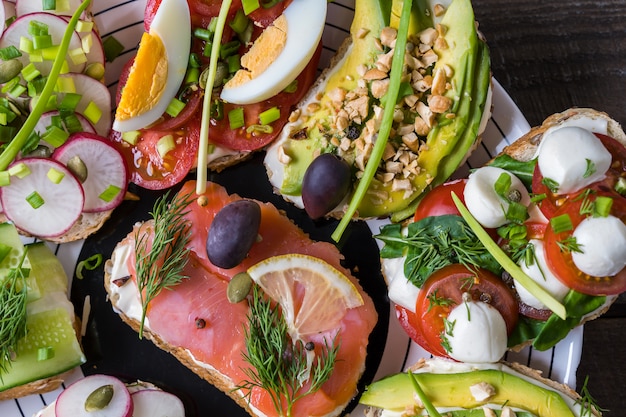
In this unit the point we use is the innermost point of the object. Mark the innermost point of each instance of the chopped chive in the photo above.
(7, 133)
(26, 45)
(49, 53)
(235, 118)
(69, 101)
(48, 4)
(165, 144)
(516, 213)
(5, 178)
(131, 136)
(63, 5)
(194, 60)
(92, 112)
(95, 70)
(89, 264)
(292, 87)
(192, 76)
(240, 21)
(37, 28)
(229, 48)
(72, 123)
(217, 110)
(202, 34)
(503, 184)
(536, 198)
(268, 116)
(55, 176)
(234, 63)
(66, 85)
(35, 56)
(30, 72)
(10, 20)
(10, 84)
(590, 169)
(86, 43)
(249, 6)
(35, 87)
(45, 353)
(602, 206)
(110, 193)
(562, 223)
(35, 200)
(259, 129)
(56, 121)
(42, 41)
(551, 184)
(213, 24)
(77, 55)
(208, 47)
(112, 48)
(9, 52)
(84, 26)
(55, 136)
(17, 91)
(175, 107)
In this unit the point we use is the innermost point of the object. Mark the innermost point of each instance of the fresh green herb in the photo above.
(586, 401)
(562, 223)
(586, 207)
(430, 408)
(569, 244)
(536, 198)
(112, 48)
(432, 243)
(13, 313)
(89, 264)
(552, 185)
(503, 185)
(602, 206)
(468, 282)
(161, 258)
(507, 263)
(279, 365)
(590, 169)
(435, 301)
(448, 331)
(395, 76)
(521, 169)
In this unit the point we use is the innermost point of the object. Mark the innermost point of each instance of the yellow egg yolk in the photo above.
(262, 53)
(146, 79)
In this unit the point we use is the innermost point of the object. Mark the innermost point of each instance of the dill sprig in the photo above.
(587, 402)
(279, 365)
(12, 313)
(161, 258)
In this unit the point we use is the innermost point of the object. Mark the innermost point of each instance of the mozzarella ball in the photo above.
(539, 272)
(481, 198)
(572, 157)
(478, 333)
(602, 241)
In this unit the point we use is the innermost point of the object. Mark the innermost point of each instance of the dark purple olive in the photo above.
(326, 182)
(232, 233)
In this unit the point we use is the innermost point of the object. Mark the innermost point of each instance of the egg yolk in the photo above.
(146, 79)
(262, 53)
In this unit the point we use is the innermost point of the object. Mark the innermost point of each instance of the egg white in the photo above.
(172, 24)
(305, 24)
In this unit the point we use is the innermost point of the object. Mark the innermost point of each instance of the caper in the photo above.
(239, 287)
(99, 398)
(78, 168)
(9, 70)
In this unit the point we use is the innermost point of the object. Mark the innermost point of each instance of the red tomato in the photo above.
(447, 285)
(438, 201)
(562, 264)
(552, 202)
(148, 169)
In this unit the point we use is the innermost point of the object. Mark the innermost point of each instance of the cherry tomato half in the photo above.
(562, 264)
(444, 289)
(438, 201)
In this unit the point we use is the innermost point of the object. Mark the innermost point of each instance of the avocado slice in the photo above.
(447, 143)
(453, 390)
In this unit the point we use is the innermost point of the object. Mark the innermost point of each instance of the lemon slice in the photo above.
(313, 295)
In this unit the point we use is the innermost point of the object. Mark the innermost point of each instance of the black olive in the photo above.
(325, 184)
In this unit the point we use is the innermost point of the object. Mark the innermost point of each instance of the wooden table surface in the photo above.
(549, 56)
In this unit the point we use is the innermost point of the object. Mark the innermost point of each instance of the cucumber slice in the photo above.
(46, 269)
(10, 238)
(48, 329)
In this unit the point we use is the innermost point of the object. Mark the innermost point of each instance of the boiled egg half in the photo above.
(159, 68)
(279, 54)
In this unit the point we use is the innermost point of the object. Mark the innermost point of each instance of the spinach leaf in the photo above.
(523, 170)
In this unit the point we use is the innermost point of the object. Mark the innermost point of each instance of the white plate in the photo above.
(124, 20)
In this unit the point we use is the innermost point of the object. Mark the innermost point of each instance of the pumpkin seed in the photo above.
(99, 398)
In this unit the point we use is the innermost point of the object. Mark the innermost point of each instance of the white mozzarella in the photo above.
(603, 246)
(478, 334)
(541, 274)
(483, 201)
(566, 154)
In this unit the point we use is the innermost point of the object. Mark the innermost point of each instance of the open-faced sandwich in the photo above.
(246, 300)
(256, 63)
(39, 335)
(440, 387)
(399, 109)
(60, 178)
(540, 247)
(108, 396)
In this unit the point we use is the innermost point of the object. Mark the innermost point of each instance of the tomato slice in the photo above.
(438, 201)
(552, 202)
(444, 289)
(561, 262)
(147, 168)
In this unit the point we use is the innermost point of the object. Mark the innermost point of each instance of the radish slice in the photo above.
(155, 403)
(107, 175)
(61, 202)
(56, 28)
(46, 120)
(92, 91)
(23, 7)
(71, 402)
